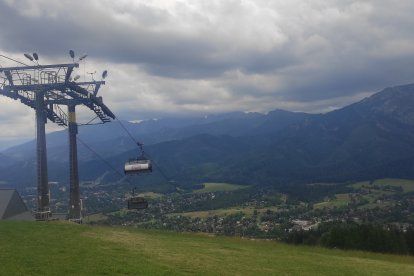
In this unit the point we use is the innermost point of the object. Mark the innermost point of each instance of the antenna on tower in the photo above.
(92, 73)
(82, 57)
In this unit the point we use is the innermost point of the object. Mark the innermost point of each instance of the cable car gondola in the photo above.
(137, 202)
(138, 165)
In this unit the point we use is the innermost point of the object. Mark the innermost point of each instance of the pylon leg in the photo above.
(43, 208)
(74, 200)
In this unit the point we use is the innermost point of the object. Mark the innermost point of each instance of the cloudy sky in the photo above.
(211, 56)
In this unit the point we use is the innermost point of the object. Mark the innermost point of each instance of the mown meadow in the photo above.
(60, 248)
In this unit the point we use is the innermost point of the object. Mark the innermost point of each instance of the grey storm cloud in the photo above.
(181, 57)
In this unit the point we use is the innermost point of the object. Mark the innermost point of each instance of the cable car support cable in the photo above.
(142, 152)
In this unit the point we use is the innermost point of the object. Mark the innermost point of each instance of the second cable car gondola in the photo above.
(137, 202)
(138, 165)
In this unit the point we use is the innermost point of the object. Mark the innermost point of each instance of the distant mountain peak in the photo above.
(396, 102)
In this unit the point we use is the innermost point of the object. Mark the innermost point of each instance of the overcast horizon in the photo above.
(191, 58)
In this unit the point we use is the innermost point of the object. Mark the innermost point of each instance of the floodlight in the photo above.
(29, 57)
(72, 54)
(104, 74)
(76, 78)
(35, 56)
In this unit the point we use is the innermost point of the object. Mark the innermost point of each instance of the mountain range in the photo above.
(366, 140)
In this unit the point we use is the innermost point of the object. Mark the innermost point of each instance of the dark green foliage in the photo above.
(367, 237)
(217, 200)
(303, 237)
(312, 192)
(409, 236)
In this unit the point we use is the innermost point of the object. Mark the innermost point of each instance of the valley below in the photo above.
(290, 214)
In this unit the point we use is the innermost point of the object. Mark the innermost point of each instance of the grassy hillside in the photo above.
(39, 248)
(407, 185)
(219, 187)
(247, 211)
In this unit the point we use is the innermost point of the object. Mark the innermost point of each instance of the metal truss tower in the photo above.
(46, 88)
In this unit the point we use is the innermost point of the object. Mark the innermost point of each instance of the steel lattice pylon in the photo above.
(46, 88)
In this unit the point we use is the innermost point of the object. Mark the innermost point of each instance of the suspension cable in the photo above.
(114, 169)
(117, 171)
(102, 159)
(126, 130)
(13, 60)
(139, 143)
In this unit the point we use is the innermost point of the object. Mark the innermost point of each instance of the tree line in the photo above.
(351, 235)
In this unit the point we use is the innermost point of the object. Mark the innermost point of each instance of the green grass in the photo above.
(377, 190)
(52, 248)
(151, 195)
(95, 217)
(216, 187)
(248, 211)
(406, 184)
(341, 200)
(360, 185)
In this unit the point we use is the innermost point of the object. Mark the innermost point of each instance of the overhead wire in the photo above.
(107, 163)
(89, 123)
(13, 60)
(169, 180)
(102, 159)
(126, 130)
(139, 143)
(9, 58)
